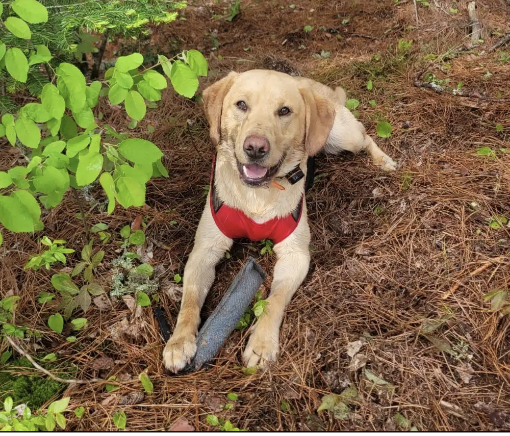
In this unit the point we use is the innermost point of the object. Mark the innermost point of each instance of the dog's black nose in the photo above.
(256, 147)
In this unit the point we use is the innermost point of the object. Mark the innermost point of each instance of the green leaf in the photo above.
(14, 216)
(384, 129)
(137, 238)
(30, 203)
(79, 411)
(370, 85)
(148, 92)
(45, 297)
(63, 282)
(131, 62)
(84, 118)
(5, 179)
(212, 420)
(77, 144)
(8, 404)
(177, 278)
(79, 323)
(59, 406)
(49, 357)
(197, 62)
(18, 27)
(117, 94)
(10, 131)
(83, 299)
(6, 355)
(31, 11)
(3, 48)
(441, 344)
(98, 258)
(72, 80)
(334, 404)
(155, 80)
(36, 112)
(497, 299)
(28, 132)
(56, 323)
(352, 104)
(108, 185)
(89, 168)
(485, 151)
(120, 420)
(50, 422)
(140, 151)
(232, 396)
(130, 192)
(42, 55)
(99, 227)
(49, 180)
(68, 128)
(52, 101)
(56, 147)
(146, 382)
(145, 269)
(184, 80)
(135, 105)
(92, 93)
(109, 387)
(125, 80)
(401, 421)
(142, 299)
(16, 64)
(61, 420)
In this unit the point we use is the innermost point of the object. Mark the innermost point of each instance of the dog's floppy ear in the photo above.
(320, 116)
(213, 102)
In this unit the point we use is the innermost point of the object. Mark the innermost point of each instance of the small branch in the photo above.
(456, 92)
(99, 57)
(503, 41)
(20, 350)
(83, 217)
(476, 32)
(472, 274)
(416, 11)
(360, 35)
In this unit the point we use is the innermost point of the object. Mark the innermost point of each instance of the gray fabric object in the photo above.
(224, 318)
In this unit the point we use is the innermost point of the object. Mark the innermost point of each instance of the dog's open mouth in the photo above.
(257, 175)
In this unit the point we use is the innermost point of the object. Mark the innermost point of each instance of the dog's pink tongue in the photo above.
(254, 171)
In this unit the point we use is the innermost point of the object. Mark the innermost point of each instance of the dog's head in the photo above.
(265, 124)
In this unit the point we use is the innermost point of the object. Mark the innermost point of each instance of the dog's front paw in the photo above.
(387, 164)
(262, 347)
(178, 352)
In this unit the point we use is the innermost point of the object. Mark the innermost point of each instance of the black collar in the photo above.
(296, 174)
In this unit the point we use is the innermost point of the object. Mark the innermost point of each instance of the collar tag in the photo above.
(295, 175)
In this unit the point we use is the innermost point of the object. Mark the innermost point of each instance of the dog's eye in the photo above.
(284, 111)
(242, 105)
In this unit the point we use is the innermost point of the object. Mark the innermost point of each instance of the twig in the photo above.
(98, 58)
(360, 35)
(83, 217)
(456, 92)
(471, 274)
(20, 350)
(474, 23)
(503, 41)
(416, 11)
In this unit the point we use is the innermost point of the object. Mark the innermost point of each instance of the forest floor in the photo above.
(393, 305)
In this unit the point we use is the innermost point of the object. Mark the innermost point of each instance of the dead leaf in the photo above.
(353, 348)
(102, 302)
(215, 402)
(465, 372)
(130, 302)
(131, 398)
(181, 424)
(109, 399)
(103, 362)
(173, 290)
(358, 361)
(441, 344)
(452, 409)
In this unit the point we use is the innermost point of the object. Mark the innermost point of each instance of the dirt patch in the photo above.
(386, 248)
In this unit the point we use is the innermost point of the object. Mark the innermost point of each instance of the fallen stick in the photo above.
(472, 274)
(503, 41)
(21, 351)
(456, 92)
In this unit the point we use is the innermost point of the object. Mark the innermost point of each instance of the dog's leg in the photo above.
(349, 134)
(210, 246)
(289, 272)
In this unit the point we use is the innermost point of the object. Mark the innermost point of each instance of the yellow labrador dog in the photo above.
(265, 125)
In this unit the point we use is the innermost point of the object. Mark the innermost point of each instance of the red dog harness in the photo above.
(235, 224)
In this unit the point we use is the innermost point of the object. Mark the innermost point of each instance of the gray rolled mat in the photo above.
(224, 318)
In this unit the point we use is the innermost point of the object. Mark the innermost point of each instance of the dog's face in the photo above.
(264, 124)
